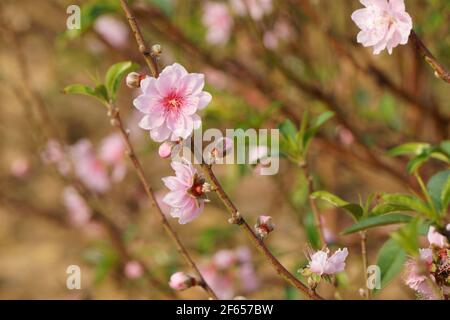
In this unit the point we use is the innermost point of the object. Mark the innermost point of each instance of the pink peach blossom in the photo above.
(322, 264)
(247, 276)
(436, 239)
(54, 154)
(218, 21)
(254, 8)
(79, 212)
(170, 103)
(280, 32)
(186, 197)
(384, 24)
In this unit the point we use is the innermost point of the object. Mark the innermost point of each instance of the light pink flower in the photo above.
(170, 103)
(384, 24)
(224, 259)
(133, 270)
(112, 152)
(218, 21)
(114, 31)
(186, 197)
(436, 239)
(322, 264)
(264, 225)
(88, 167)
(243, 255)
(255, 8)
(181, 281)
(79, 212)
(418, 282)
(20, 167)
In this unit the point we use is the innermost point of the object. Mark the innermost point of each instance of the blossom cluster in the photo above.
(429, 276)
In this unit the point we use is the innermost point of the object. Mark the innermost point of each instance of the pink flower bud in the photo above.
(165, 149)
(264, 226)
(181, 281)
(20, 168)
(133, 270)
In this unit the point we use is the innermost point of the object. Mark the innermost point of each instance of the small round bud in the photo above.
(156, 50)
(165, 149)
(181, 281)
(133, 270)
(264, 226)
(133, 80)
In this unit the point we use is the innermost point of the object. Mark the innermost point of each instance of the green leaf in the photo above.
(445, 147)
(116, 73)
(408, 236)
(288, 129)
(311, 231)
(415, 163)
(355, 210)
(408, 201)
(414, 148)
(391, 259)
(439, 188)
(99, 92)
(377, 221)
(384, 208)
(319, 121)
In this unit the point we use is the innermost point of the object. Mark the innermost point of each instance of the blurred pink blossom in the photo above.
(20, 167)
(255, 8)
(220, 283)
(133, 270)
(224, 259)
(248, 278)
(219, 22)
(114, 31)
(88, 167)
(112, 152)
(186, 196)
(280, 32)
(53, 154)
(79, 212)
(384, 24)
(170, 103)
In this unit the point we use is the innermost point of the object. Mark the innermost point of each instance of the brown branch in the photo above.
(116, 121)
(439, 69)
(236, 217)
(143, 49)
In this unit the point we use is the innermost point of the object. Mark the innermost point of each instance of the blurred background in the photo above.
(272, 64)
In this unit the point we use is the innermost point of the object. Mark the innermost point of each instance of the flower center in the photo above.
(173, 101)
(197, 187)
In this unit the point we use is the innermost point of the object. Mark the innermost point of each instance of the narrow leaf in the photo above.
(390, 260)
(116, 73)
(377, 221)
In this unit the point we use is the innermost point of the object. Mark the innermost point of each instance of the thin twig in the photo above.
(235, 216)
(116, 120)
(439, 69)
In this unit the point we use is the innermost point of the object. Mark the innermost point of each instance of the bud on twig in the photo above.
(156, 50)
(264, 226)
(181, 281)
(133, 80)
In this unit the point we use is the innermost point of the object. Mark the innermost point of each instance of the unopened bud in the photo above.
(221, 148)
(165, 149)
(181, 281)
(156, 50)
(133, 80)
(264, 226)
